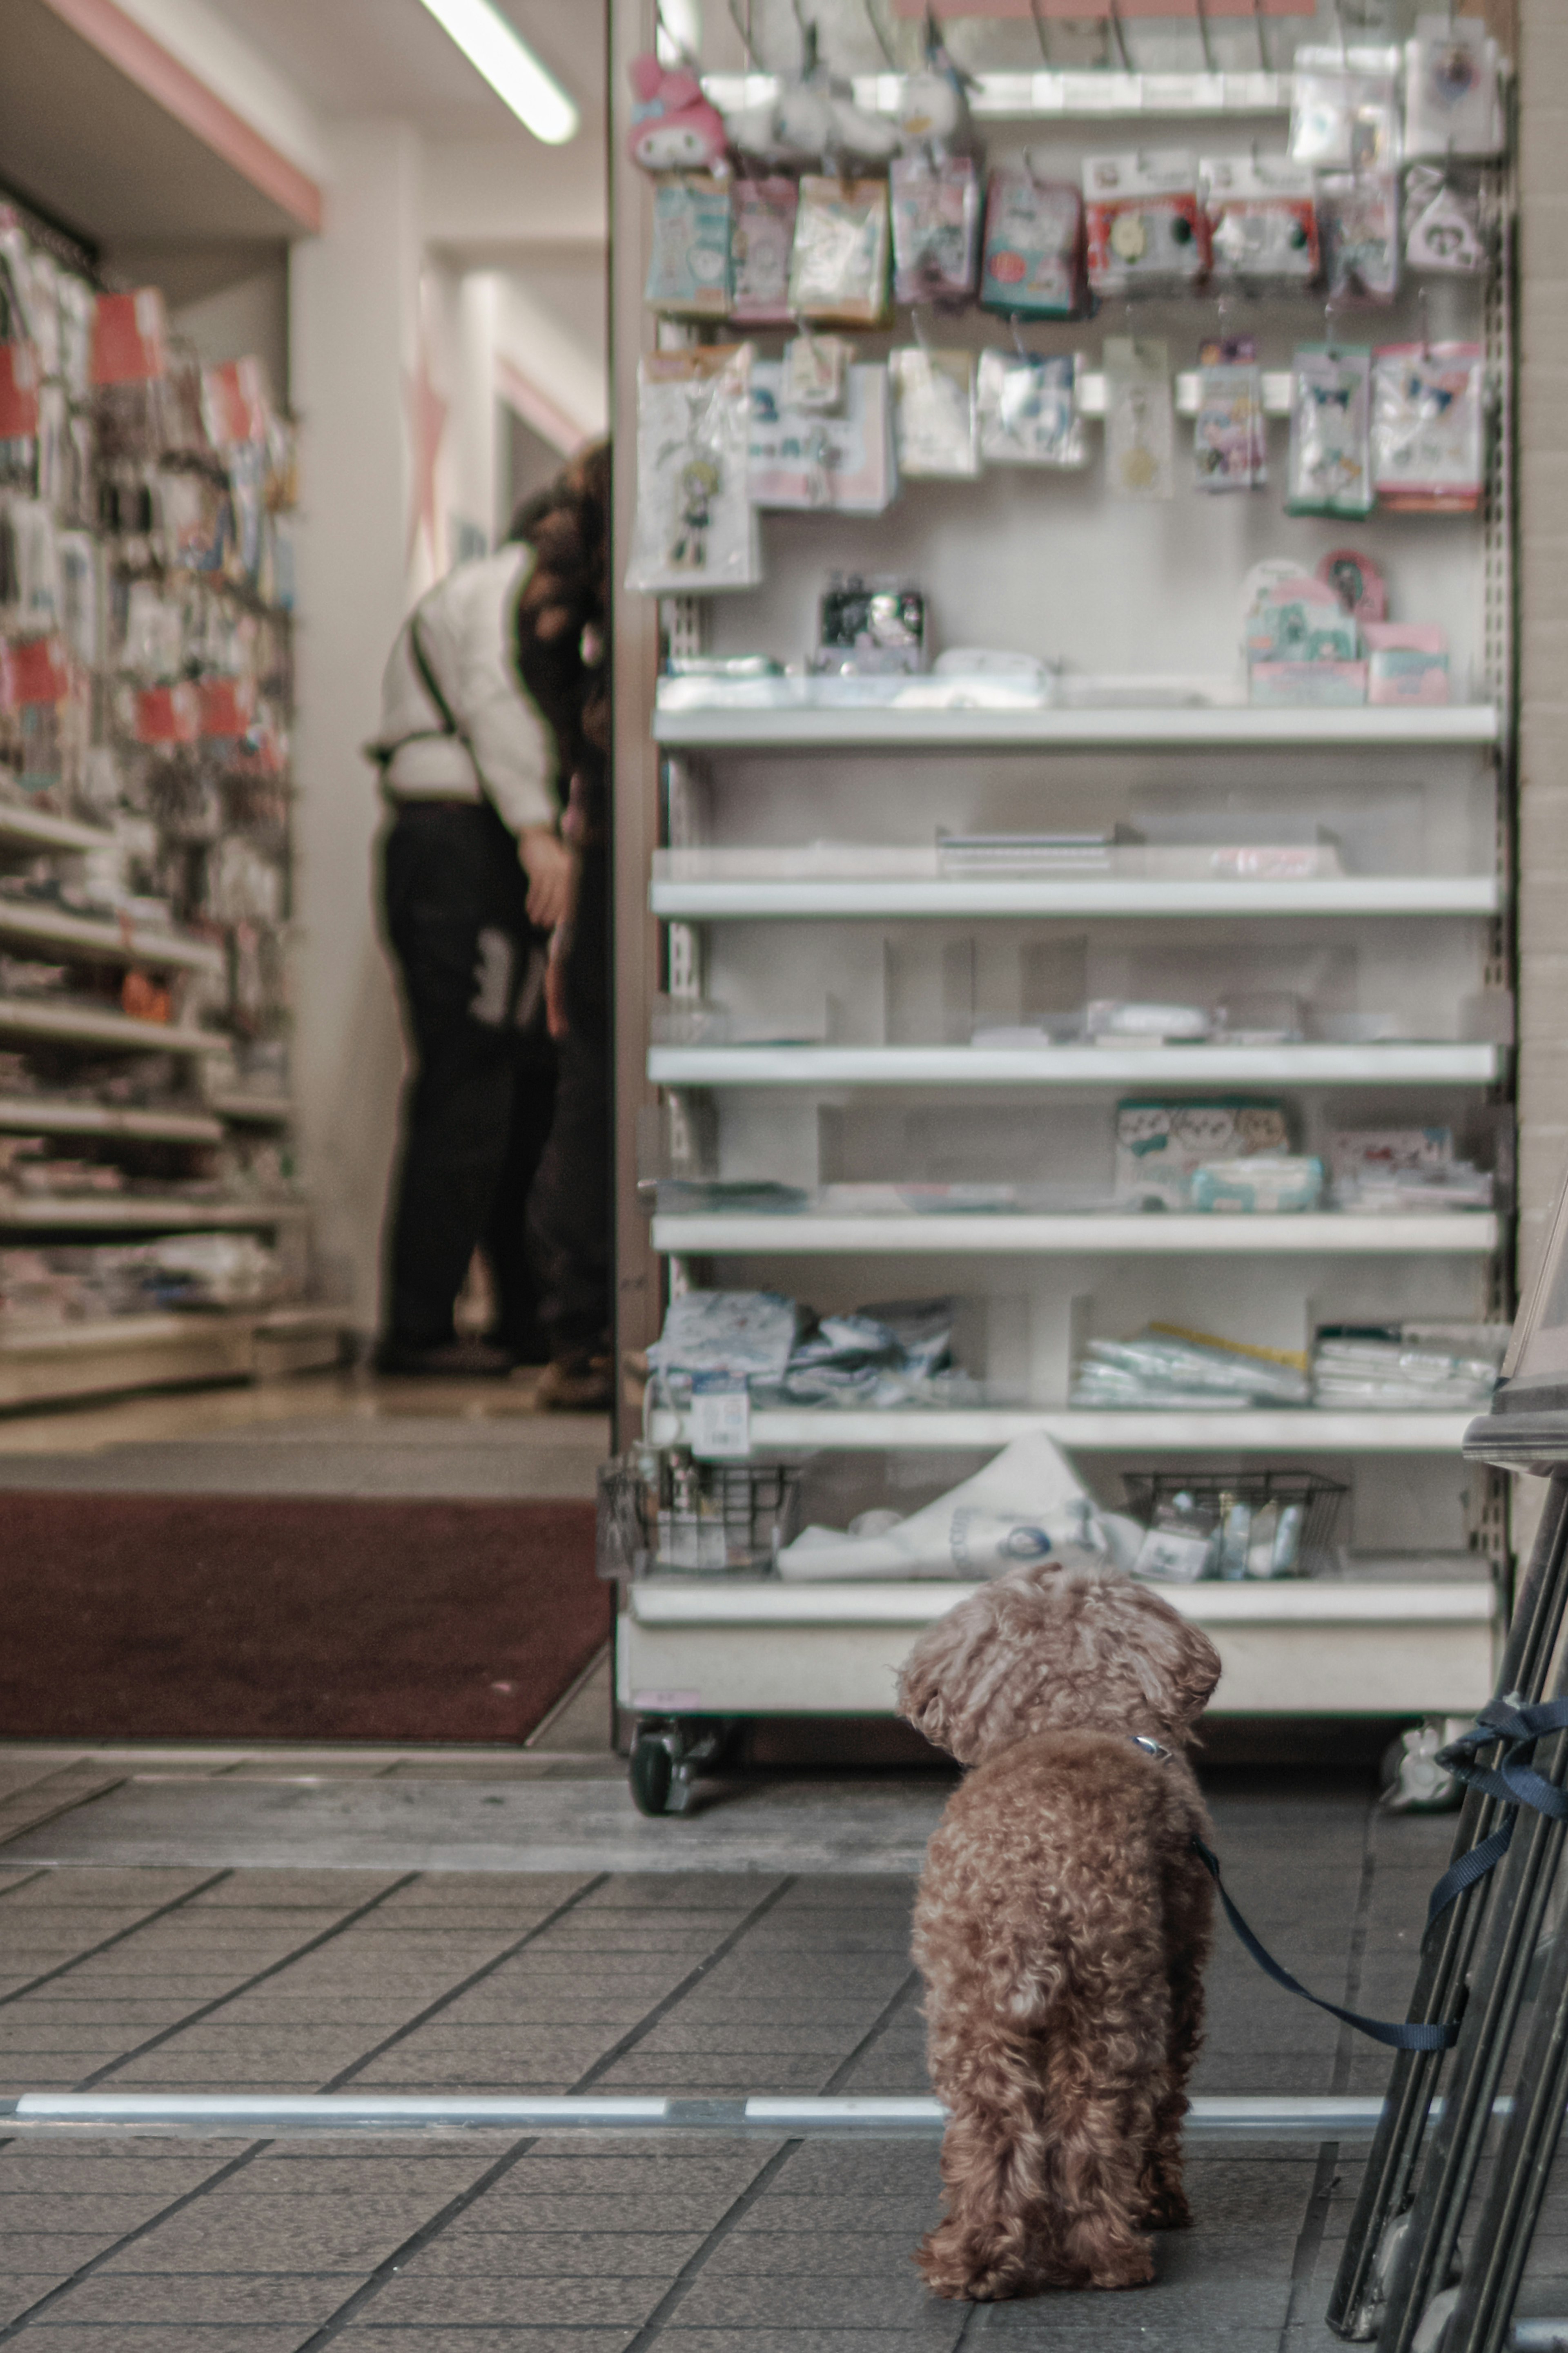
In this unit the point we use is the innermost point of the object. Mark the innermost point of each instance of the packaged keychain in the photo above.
(1453, 104)
(1446, 229)
(1330, 451)
(688, 270)
(1262, 219)
(761, 235)
(1346, 112)
(838, 269)
(934, 427)
(695, 529)
(1139, 419)
(1029, 410)
(1143, 224)
(1428, 427)
(1230, 444)
(936, 227)
(1358, 214)
(840, 463)
(1033, 261)
(816, 371)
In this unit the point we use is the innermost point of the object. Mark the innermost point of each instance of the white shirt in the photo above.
(505, 752)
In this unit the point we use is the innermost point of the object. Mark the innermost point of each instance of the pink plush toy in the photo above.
(674, 129)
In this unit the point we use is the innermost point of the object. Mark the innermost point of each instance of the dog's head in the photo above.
(1060, 1645)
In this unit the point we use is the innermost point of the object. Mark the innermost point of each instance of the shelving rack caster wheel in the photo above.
(667, 1755)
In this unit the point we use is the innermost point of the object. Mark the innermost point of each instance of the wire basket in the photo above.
(1299, 1540)
(663, 1514)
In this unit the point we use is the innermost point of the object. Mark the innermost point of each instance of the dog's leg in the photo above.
(1105, 2073)
(988, 2245)
(1188, 1922)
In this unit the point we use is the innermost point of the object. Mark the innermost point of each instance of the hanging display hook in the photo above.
(1040, 35)
(1015, 321)
(1119, 29)
(744, 31)
(889, 55)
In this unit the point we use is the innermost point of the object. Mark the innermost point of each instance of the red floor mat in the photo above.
(249, 1617)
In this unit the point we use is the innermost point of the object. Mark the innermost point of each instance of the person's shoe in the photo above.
(452, 1360)
(576, 1384)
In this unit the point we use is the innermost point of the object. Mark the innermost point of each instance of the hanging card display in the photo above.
(1359, 218)
(762, 236)
(1345, 111)
(1452, 102)
(1445, 231)
(688, 269)
(936, 228)
(1029, 410)
(816, 371)
(1139, 419)
(934, 424)
(1033, 261)
(1230, 444)
(1331, 452)
(1428, 426)
(1143, 224)
(838, 269)
(695, 529)
(1262, 219)
(841, 463)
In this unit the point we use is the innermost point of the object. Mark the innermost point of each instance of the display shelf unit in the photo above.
(122, 1214)
(1202, 1067)
(49, 1115)
(889, 727)
(258, 1110)
(28, 830)
(100, 943)
(678, 897)
(54, 1363)
(1221, 1430)
(72, 1025)
(1001, 1234)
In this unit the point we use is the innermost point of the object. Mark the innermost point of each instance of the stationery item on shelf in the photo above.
(1453, 103)
(1330, 432)
(673, 127)
(1139, 419)
(1029, 410)
(882, 1357)
(1358, 214)
(1115, 1018)
(1311, 685)
(1260, 1183)
(744, 1196)
(839, 269)
(1407, 661)
(1010, 854)
(840, 463)
(1033, 258)
(1144, 222)
(1345, 107)
(1230, 442)
(1165, 1369)
(748, 1333)
(1235, 1523)
(762, 236)
(936, 227)
(872, 623)
(935, 428)
(1357, 582)
(1404, 1368)
(695, 530)
(976, 678)
(1428, 426)
(1026, 1504)
(1401, 1170)
(1446, 230)
(1161, 1144)
(688, 268)
(1262, 220)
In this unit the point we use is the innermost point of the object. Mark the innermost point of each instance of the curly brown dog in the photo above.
(1062, 1926)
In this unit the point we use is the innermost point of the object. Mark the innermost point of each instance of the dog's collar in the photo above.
(1151, 1748)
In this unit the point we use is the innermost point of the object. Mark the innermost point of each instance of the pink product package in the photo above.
(1286, 685)
(762, 236)
(1407, 662)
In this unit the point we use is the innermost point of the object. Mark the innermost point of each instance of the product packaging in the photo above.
(1320, 685)
(1028, 411)
(1345, 110)
(1447, 232)
(936, 228)
(695, 529)
(1143, 223)
(1230, 440)
(1161, 1144)
(838, 269)
(1164, 1368)
(1033, 264)
(761, 237)
(1356, 582)
(1262, 1185)
(1330, 432)
(1139, 419)
(1358, 214)
(1262, 220)
(688, 270)
(1407, 662)
(674, 129)
(1453, 105)
(1428, 426)
(841, 461)
(935, 426)
(1300, 619)
(870, 626)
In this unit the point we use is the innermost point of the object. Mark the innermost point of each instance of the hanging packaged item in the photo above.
(816, 372)
(1262, 220)
(1032, 262)
(695, 529)
(838, 269)
(688, 269)
(1230, 441)
(1428, 426)
(936, 227)
(1029, 410)
(934, 424)
(1453, 104)
(762, 236)
(1345, 110)
(1356, 582)
(1330, 432)
(870, 625)
(840, 462)
(1358, 214)
(19, 417)
(1446, 228)
(1139, 419)
(1145, 225)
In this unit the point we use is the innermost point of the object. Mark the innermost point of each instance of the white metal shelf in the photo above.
(1456, 1233)
(889, 728)
(721, 900)
(24, 828)
(122, 1352)
(126, 1213)
(1073, 1066)
(263, 1111)
(44, 1115)
(102, 943)
(1087, 96)
(74, 1026)
(1226, 1429)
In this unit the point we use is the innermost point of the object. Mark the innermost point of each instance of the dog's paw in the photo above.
(1129, 2266)
(952, 2265)
(1167, 2210)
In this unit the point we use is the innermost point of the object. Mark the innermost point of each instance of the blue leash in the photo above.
(1517, 1727)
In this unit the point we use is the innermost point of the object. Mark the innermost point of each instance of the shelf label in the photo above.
(720, 1417)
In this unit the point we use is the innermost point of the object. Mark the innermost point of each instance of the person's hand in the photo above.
(549, 866)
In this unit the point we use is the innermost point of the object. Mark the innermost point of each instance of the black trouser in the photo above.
(479, 1102)
(569, 1210)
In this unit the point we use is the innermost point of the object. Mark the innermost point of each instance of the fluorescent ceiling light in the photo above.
(511, 67)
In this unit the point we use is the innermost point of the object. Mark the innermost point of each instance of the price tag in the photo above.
(720, 1417)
